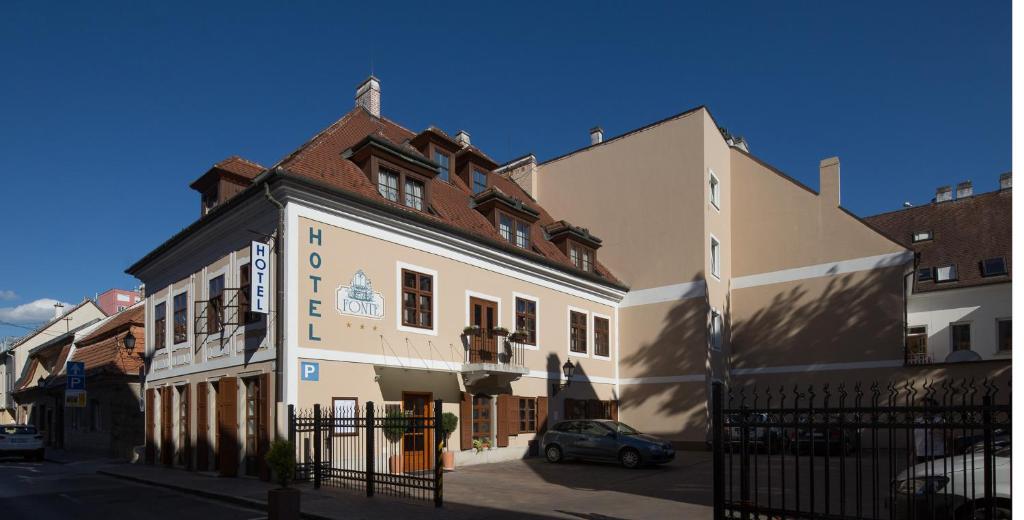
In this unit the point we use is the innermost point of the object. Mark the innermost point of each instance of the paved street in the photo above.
(43, 491)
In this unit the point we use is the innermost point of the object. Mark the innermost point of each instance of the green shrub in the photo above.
(449, 422)
(396, 424)
(281, 459)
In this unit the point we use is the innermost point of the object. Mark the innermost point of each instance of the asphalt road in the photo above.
(45, 490)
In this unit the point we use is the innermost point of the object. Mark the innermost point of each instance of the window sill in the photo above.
(602, 358)
(418, 330)
(579, 354)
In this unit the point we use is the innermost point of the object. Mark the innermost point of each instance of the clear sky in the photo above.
(108, 111)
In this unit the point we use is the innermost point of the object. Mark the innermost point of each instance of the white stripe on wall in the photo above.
(662, 380)
(817, 367)
(665, 293)
(827, 269)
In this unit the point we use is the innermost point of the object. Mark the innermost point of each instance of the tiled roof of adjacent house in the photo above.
(964, 231)
(321, 159)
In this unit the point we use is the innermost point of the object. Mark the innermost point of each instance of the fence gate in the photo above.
(383, 450)
(916, 451)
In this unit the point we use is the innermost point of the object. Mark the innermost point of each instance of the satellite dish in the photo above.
(962, 355)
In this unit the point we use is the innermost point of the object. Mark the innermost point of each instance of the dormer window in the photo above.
(921, 236)
(582, 257)
(209, 199)
(443, 161)
(993, 266)
(513, 230)
(479, 181)
(387, 184)
(414, 194)
(577, 243)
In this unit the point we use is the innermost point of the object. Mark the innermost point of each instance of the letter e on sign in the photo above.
(260, 266)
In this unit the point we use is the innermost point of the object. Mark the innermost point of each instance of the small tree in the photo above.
(449, 422)
(396, 424)
(281, 459)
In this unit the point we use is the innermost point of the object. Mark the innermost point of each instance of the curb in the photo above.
(258, 505)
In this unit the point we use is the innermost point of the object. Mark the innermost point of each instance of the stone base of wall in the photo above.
(471, 457)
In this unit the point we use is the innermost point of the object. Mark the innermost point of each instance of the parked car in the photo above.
(604, 440)
(21, 440)
(954, 487)
(766, 438)
(819, 439)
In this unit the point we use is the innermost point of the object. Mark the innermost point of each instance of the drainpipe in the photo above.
(279, 304)
(907, 288)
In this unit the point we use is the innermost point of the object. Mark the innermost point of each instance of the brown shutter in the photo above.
(167, 425)
(595, 410)
(150, 426)
(466, 421)
(542, 414)
(186, 399)
(568, 408)
(227, 426)
(503, 404)
(202, 426)
(614, 407)
(513, 415)
(263, 416)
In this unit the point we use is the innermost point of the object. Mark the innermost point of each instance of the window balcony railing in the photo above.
(918, 358)
(488, 349)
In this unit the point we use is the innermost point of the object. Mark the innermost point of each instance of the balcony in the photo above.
(492, 356)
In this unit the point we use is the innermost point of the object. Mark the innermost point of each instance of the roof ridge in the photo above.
(932, 203)
(318, 138)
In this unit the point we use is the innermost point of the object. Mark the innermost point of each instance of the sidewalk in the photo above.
(325, 503)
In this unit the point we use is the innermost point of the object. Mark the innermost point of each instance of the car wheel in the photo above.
(629, 458)
(553, 454)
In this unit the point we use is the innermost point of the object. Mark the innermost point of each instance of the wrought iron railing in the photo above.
(493, 349)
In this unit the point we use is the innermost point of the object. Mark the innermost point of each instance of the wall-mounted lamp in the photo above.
(568, 369)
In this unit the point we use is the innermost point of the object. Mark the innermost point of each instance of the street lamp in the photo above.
(568, 369)
(129, 342)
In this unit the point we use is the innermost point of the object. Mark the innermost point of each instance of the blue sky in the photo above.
(108, 111)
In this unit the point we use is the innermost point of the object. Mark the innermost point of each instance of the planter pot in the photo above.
(395, 464)
(502, 333)
(448, 460)
(283, 504)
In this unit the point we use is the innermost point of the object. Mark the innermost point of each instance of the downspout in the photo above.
(907, 288)
(279, 304)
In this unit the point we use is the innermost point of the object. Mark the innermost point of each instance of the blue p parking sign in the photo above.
(310, 371)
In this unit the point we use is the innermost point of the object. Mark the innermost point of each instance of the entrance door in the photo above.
(252, 421)
(227, 426)
(417, 454)
(917, 345)
(483, 314)
(482, 417)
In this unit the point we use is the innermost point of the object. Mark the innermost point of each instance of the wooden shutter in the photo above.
(167, 425)
(202, 426)
(263, 417)
(513, 415)
(568, 408)
(186, 443)
(466, 421)
(595, 410)
(151, 426)
(227, 426)
(613, 406)
(542, 414)
(504, 402)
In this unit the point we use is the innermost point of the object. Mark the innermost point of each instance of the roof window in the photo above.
(993, 266)
(921, 236)
(946, 273)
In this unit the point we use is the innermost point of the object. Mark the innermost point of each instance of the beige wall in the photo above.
(640, 194)
(344, 252)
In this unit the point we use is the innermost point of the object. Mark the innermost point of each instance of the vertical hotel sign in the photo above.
(259, 289)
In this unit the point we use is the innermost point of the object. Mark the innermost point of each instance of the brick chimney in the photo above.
(828, 181)
(368, 96)
(943, 194)
(1006, 181)
(964, 189)
(462, 138)
(596, 135)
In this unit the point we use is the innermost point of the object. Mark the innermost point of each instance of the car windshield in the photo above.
(623, 429)
(17, 430)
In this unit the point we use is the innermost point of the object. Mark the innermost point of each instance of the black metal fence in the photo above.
(904, 451)
(382, 450)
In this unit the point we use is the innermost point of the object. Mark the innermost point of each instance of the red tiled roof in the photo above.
(240, 166)
(964, 232)
(320, 159)
(102, 350)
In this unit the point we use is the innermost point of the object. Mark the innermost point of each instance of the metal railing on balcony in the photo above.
(492, 349)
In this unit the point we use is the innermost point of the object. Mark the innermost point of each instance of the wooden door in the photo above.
(484, 314)
(263, 443)
(185, 427)
(482, 417)
(417, 454)
(252, 421)
(150, 426)
(202, 426)
(227, 426)
(167, 426)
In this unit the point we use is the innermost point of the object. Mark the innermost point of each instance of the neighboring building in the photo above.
(114, 301)
(16, 356)
(959, 306)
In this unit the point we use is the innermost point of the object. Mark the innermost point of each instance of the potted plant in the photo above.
(395, 426)
(481, 444)
(518, 336)
(499, 331)
(449, 422)
(283, 502)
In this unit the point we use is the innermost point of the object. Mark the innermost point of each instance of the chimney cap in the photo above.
(596, 129)
(964, 184)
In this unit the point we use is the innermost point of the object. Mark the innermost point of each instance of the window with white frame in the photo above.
(921, 236)
(714, 189)
(716, 257)
(946, 273)
(715, 335)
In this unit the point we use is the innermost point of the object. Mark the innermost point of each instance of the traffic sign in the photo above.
(75, 368)
(76, 383)
(74, 398)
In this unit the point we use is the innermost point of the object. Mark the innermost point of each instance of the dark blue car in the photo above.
(604, 440)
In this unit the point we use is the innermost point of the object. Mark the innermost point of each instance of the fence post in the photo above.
(291, 424)
(370, 464)
(316, 446)
(986, 420)
(438, 468)
(745, 463)
(718, 456)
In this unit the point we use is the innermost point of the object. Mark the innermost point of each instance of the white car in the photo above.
(21, 439)
(954, 487)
